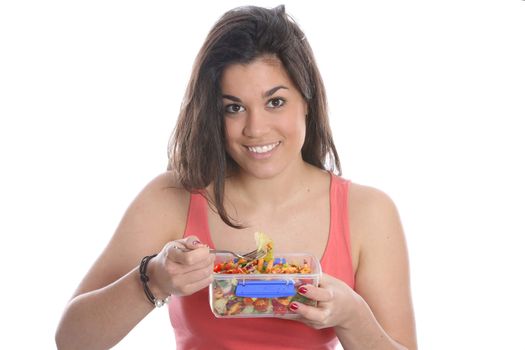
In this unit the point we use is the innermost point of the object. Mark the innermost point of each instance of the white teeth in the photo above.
(263, 149)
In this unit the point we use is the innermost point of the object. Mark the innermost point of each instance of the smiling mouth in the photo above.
(264, 148)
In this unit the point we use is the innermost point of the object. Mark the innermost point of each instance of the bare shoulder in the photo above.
(370, 206)
(365, 198)
(162, 202)
(374, 219)
(166, 181)
(156, 216)
(166, 194)
(160, 209)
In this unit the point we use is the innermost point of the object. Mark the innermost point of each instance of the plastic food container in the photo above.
(263, 294)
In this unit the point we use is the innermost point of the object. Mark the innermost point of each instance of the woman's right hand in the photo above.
(181, 268)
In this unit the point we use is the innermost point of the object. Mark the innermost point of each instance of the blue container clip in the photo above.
(265, 288)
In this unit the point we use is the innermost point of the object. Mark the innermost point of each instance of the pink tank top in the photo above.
(195, 325)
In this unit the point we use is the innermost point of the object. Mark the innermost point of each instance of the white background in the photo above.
(426, 102)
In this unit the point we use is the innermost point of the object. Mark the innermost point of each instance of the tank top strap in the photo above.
(337, 258)
(197, 219)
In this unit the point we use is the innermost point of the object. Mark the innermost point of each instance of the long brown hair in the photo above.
(197, 149)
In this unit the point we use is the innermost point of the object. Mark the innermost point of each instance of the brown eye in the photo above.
(275, 102)
(234, 108)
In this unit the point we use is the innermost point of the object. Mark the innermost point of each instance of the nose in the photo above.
(256, 124)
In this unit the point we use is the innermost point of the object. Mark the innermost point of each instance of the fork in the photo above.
(253, 255)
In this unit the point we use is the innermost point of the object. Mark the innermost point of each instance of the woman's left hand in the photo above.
(337, 304)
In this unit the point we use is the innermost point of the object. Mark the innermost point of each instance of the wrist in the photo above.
(155, 279)
(361, 329)
(356, 315)
(153, 293)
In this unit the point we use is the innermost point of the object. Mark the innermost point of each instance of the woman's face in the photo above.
(264, 117)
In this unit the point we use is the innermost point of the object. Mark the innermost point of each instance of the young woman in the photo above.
(252, 151)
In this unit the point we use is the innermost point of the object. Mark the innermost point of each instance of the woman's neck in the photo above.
(270, 193)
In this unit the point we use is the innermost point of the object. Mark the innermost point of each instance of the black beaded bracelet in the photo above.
(145, 279)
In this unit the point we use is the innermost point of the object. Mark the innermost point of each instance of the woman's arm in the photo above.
(382, 275)
(99, 319)
(110, 300)
(378, 314)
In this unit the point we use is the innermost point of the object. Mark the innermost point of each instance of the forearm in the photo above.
(366, 334)
(101, 318)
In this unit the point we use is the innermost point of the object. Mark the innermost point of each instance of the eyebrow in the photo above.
(266, 94)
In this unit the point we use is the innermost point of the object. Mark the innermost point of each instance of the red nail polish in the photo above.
(293, 306)
(302, 290)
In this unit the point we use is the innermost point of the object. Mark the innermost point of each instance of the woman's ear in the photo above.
(305, 106)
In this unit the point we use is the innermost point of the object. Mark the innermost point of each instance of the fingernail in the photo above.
(302, 290)
(293, 306)
(195, 242)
